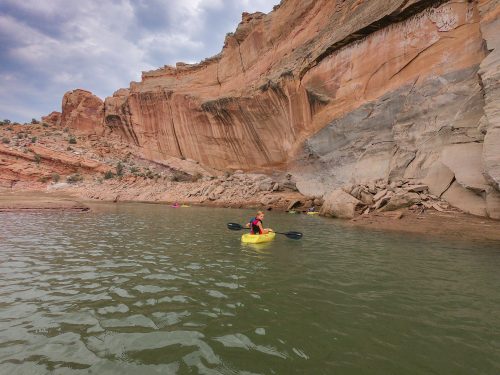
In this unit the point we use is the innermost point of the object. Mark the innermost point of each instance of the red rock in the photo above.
(82, 112)
(53, 119)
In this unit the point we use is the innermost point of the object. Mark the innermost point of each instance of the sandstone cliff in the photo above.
(335, 92)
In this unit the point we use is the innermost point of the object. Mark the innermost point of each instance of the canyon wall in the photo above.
(336, 93)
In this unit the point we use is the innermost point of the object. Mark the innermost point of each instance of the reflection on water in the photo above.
(145, 289)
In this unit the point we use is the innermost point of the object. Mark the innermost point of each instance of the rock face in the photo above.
(53, 119)
(82, 112)
(335, 93)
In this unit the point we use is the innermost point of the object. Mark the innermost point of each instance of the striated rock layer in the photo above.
(337, 92)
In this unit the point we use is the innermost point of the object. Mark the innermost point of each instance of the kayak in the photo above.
(258, 238)
(313, 213)
(292, 212)
(185, 205)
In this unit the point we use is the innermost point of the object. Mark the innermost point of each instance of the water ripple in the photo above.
(130, 289)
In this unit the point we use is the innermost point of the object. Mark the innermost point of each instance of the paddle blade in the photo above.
(294, 235)
(234, 226)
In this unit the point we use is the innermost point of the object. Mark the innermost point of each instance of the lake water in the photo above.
(148, 289)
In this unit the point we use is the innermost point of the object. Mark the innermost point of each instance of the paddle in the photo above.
(292, 235)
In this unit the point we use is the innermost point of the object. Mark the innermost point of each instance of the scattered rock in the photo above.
(379, 195)
(366, 198)
(417, 188)
(403, 200)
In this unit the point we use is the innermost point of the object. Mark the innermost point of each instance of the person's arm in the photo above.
(264, 231)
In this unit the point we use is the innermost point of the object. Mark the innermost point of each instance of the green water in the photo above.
(147, 289)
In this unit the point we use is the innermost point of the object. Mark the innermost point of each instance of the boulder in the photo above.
(379, 195)
(366, 198)
(401, 200)
(383, 201)
(266, 186)
(465, 161)
(465, 200)
(340, 204)
(356, 191)
(439, 178)
(493, 204)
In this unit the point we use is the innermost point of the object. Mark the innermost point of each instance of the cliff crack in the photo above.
(241, 57)
(218, 80)
(412, 59)
(174, 132)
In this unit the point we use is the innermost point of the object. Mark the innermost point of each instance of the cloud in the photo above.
(52, 46)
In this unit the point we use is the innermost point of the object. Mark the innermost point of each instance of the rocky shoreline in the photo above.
(40, 173)
(414, 220)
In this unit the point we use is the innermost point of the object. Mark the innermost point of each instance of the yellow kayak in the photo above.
(258, 238)
(313, 213)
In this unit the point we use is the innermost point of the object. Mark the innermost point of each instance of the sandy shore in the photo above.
(455, 225)
(12, 201)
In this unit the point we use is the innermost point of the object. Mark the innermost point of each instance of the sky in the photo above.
(48, 47)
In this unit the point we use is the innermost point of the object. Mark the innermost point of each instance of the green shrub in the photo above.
(74, 178)
(134, 170)
(108, 175)
(38, 159)
(72, 140)
(5, 140)
(56, 177)
(34, 121)
(197, 176)
(6, 121)
(33, 139)
(119, 169)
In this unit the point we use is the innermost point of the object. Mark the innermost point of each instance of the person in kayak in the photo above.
(255, 225)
